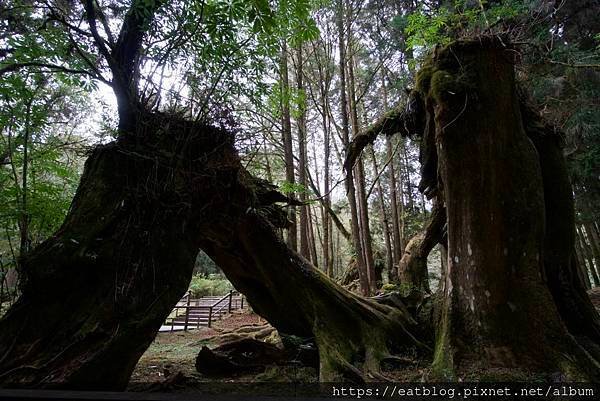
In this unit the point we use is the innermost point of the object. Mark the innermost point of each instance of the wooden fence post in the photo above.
(187, 311)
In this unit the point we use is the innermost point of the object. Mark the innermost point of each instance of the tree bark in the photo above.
(389, 259)
(349, 182)
(413, 265)
(560, 262)
(302, 159)
(288, 148)
(493, 189)
(96, 293)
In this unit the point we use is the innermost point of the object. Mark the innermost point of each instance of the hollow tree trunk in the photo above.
(96, 293)
(497, 310)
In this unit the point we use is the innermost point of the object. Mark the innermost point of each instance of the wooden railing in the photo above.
(212, 311)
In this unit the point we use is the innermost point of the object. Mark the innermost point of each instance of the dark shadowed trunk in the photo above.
(96, 293)
(496, 303)
(560, 260)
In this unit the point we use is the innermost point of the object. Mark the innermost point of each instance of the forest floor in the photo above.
(168, 365)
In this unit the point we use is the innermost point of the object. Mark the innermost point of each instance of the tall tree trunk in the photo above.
(587, 254)
(397, 206)
(495, 300)
(302, 159)
(359, 175)
(397, 213)
(326, 205)
(594, 241)
(23, 204)
(406, 179)
(349, 182)
(389, 260)
(288, 147)
(327, 256)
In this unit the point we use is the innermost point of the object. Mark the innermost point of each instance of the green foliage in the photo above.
(428, 27)
(40, 170)
(214, 284)
(292, 188)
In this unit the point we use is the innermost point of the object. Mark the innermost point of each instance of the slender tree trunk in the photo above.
(292, 234)
(384, 222)
(23, 203)
(594, 241)
(327, 257)
(583, 268)
(302, 159)
(349, 182)
(587, 254)
(397, 213)
(359, 175)
(409, 186)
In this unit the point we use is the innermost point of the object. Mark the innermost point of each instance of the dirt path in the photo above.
(173, 352)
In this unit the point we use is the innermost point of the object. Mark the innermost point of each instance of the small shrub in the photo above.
(214, 284)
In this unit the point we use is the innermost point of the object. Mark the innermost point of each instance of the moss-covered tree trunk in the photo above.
(353, 334)
(498, 311)
(96, 293)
